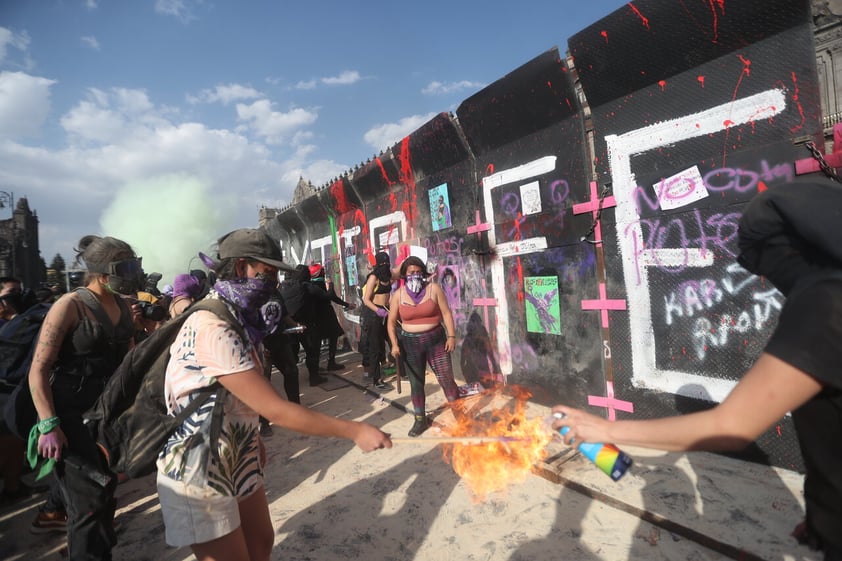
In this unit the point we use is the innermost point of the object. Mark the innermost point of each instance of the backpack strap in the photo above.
(93, 304)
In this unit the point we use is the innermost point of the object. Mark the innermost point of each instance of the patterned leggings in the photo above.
(419, 349)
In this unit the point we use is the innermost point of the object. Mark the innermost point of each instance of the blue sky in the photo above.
(170, 122)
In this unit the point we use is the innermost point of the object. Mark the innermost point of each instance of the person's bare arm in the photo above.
(769, 390)
(368, 293)
(253, 389)
(392, 322)
(60, 319)
(58, 322)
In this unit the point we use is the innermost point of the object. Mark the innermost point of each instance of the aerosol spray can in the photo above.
(607, 457)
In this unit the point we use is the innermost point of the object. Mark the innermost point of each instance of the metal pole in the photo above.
(9, 198)
(14, 234)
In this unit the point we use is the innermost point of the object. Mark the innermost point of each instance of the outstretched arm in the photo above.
(253, 389)
(769, 390)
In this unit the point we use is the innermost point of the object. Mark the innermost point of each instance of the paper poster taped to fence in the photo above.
(543, 312)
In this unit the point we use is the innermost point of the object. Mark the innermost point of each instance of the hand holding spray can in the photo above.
(607, 457)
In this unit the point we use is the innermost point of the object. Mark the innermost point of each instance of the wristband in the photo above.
(41, 427)
(48, 425)
(451, 336)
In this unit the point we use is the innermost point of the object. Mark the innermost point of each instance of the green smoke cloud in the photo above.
(167, 220)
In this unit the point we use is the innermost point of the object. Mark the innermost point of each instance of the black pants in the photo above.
(375, 333)
(311, 340)
(86, 484)
(283, 357)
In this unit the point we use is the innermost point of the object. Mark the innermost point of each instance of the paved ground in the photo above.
(330, 501)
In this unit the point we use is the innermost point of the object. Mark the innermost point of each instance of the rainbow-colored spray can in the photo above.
(607, 457)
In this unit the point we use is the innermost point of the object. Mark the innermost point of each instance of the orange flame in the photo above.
(492, 467)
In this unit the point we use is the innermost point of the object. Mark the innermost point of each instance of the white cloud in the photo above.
(225, 94)
(273, 126)
(111, 118)
(131, 150)
(346, 77)
(19, 41)
(306, 85)
(91, 4)
(24, 104)
(440, 88)
(384, 136)
(176, 8)
(91, 41)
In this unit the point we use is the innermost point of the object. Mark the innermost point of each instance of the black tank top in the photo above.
(88, 350)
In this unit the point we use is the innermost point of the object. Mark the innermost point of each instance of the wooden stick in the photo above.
(398, 373)
(454, 439)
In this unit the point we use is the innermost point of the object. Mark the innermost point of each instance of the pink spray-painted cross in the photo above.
(477, 228)
(610, 402)
(603, 304)
(593, 207)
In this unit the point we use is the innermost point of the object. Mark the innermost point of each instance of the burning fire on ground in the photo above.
(493, 466)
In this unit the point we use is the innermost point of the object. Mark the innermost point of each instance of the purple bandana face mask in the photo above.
(416, 285)
(254, 303)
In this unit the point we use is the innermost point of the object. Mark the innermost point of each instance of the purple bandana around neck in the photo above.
(252, 299)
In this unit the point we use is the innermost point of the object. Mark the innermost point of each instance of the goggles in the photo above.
(126, 269)
(124, 276)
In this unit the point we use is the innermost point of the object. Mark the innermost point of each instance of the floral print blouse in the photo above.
(206, 348)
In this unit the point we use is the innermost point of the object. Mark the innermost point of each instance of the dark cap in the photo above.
(254, 244)
(382, 258)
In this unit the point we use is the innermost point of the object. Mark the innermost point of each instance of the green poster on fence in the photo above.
(543, 314)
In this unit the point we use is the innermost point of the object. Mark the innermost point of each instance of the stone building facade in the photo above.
(19, 252)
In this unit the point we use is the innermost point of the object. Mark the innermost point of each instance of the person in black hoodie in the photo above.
(302, 299)
(328, 324)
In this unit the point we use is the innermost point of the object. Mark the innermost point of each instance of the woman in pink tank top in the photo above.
(426, 335)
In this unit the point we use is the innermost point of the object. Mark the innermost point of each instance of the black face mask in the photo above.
(125, 276)
(383, 272)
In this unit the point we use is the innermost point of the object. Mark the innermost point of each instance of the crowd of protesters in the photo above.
(86, 332)
(222, 513)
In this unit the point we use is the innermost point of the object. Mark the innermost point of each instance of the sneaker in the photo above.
(49, 522)
(421, 424)
(335, 366)
(381, 385)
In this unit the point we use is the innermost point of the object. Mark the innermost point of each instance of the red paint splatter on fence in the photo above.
(383, 173)
(714, 4)
(643, 19)
(662, 84)
(778, 429)
(701, 80)
(796, 99)
(604, 35)
(407, 177)
(746, 71)
(519, 268)
(337, 191)
(761, 186)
